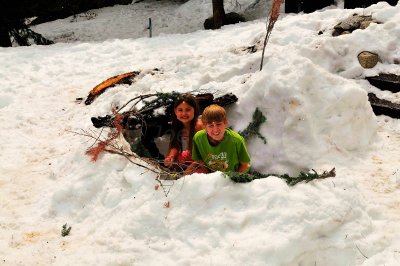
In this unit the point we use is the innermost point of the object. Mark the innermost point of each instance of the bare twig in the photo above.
(361, 252)
(325, 174)
(97, 139)
(236, 4)
(138, 98)
(127, 156)
(89, 134)
(165, 183)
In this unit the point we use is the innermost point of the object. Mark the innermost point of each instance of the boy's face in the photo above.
(216, 130)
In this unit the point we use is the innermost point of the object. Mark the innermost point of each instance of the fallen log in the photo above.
(126, 78)
(390, 82)
(384, 107)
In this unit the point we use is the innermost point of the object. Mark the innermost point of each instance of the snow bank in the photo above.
(208, 218)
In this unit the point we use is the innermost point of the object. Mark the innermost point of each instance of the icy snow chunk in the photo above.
(5, 100)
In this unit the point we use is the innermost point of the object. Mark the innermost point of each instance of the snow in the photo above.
(311, 89)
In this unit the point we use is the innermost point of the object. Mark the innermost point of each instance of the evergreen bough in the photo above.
(290, 180)
(65, 230)
(253, 129)
(162, 99)
(140, 149)
(25, 37)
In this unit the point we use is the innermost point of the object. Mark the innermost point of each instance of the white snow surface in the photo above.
(311, 89)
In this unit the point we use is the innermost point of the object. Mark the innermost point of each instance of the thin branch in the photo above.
(361, 252)
(141, 97)
(97, 139)
(127, 156)
(89, 135)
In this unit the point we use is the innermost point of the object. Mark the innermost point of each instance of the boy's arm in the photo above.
(199, 125)
(197, 160)
(244, 157)
(243, 167)
(194, 166)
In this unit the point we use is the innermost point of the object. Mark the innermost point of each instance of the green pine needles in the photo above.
(25, 37)
(140, 149)
(163, 99)
(65, 230)
(290, 180)
(253, 129)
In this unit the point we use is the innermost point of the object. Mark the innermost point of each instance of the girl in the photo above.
(185, 124)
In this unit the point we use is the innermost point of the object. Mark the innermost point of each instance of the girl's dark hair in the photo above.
(177, 125)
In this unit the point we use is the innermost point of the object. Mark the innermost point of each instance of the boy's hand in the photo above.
(243, 167)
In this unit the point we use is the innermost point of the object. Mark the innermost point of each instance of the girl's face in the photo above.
(184, 112)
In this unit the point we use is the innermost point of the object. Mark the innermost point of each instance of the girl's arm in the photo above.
(243, 167)
(171, 157)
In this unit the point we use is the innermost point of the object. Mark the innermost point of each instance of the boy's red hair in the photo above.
(213, 113)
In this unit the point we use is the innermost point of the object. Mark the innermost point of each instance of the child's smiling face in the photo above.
(216, 130)
(184, 112)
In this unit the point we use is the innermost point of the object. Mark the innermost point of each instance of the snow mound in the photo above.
(311, 114)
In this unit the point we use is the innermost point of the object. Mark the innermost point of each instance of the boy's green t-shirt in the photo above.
(225, 156)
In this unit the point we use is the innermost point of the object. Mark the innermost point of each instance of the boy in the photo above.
(216, 147)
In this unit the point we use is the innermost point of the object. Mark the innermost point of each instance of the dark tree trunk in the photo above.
(357, 3)
(384, 107)
(218, 13)
(293, 6)
(308, 6)
(365, 3)
(4, 28)
(4, 36)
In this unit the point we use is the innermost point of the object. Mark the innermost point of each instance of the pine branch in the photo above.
(65, 230)
(162, 100)
(291, 181)
(24, 34)
(253, 129)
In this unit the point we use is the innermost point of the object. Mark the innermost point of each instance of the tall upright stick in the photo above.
(272, 18)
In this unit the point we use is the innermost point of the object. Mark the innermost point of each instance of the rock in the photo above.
(364, 24)
(350, 23)
(368, 59)
(336, 32)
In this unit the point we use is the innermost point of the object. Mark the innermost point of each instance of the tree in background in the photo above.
(4, 35)
(220, 18)
(218, 13)
(13, 14)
